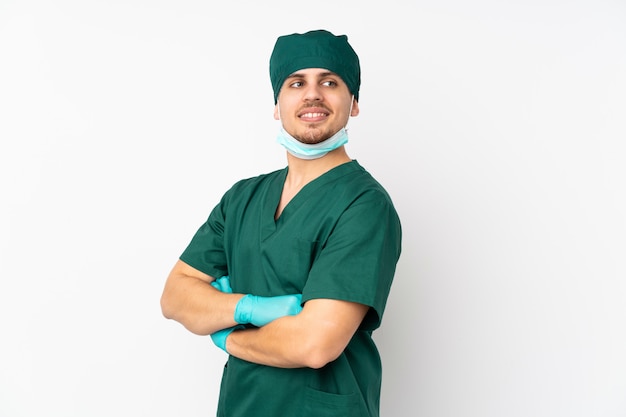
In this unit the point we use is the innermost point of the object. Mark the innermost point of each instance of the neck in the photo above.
(302, 171)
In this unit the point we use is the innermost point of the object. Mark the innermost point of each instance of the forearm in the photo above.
(191, 300)
(271, 345)
(316, 336)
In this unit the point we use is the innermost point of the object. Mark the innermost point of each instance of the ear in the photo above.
(355, 108)
(276, 112)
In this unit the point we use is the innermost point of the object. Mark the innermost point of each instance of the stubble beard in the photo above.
(313, 136)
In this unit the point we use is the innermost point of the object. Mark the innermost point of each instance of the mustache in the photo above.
(318, 106)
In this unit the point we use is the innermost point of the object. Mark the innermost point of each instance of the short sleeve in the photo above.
(206, 251)
(358, 261)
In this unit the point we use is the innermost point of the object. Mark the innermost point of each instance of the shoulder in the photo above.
(258, 179)
(355, 199)
(248, 185)
(359, 184)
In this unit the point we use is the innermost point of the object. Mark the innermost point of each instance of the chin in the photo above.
(313, 139)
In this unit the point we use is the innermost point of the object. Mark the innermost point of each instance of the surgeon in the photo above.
(291, 272)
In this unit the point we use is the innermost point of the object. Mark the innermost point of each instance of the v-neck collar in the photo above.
(275, 188)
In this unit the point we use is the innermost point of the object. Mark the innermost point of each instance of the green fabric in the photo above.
(314, 49)
(338, 238)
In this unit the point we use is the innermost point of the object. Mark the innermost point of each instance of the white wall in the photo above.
(498, 128)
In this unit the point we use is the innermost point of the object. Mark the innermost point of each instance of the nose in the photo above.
(312, 92)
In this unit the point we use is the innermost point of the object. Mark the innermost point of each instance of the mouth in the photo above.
(313, 114)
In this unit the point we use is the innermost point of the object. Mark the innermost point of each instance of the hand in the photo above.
(257, 310)
(261, 310)
(223, 284)
(219, 337)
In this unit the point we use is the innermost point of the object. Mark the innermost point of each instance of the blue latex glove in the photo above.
(223, 284)
(259, 311)
(219, 337)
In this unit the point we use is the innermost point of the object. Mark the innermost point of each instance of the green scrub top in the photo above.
(338, 238)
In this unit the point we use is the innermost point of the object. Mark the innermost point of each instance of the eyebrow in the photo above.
(320, 75)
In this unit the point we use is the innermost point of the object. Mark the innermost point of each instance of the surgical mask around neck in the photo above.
(311, 151)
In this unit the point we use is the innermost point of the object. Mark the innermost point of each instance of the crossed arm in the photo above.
(314, 337)
(189, 299)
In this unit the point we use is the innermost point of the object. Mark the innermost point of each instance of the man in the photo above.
(291, 272)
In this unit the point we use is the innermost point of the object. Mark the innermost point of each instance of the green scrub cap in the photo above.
(314, 49)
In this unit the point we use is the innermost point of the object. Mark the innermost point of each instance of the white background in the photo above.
(498, 128)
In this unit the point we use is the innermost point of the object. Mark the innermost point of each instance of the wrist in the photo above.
(243, 309)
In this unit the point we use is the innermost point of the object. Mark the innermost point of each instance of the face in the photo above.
(314, 104)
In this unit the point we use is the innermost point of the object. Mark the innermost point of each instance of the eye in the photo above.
(296, 84)
(329, 83)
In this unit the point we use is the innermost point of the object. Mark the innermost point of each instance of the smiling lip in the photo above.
(313, 114)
